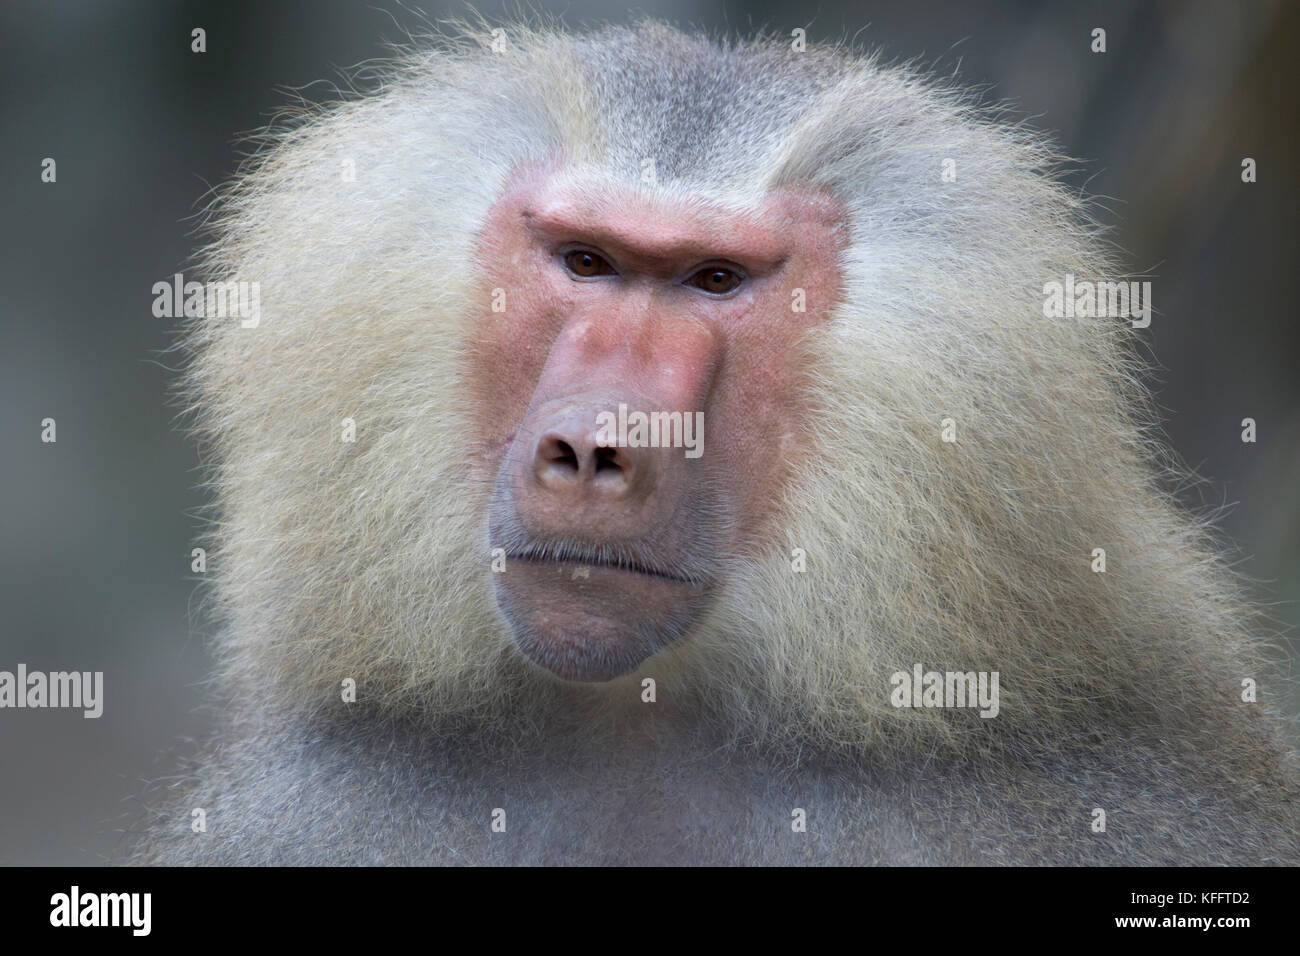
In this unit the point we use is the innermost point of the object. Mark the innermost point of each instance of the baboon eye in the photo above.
(716, 280)
(584, 263)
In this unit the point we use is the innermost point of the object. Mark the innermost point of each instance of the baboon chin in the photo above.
(660, 443)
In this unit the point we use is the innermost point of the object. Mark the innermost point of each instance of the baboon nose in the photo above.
(574, 476)
(570, 460)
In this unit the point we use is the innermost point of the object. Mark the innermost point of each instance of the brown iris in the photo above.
(715, 280)
(585, 263)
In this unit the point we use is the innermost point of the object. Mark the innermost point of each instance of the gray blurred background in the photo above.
(96, 530)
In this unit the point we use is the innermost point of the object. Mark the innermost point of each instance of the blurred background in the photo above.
(96, 530)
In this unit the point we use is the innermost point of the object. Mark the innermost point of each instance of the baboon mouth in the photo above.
(627, 565)
(594, 613)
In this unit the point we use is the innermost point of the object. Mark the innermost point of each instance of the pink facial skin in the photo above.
(614, 551)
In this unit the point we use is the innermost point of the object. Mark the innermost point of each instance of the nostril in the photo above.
(607, 458)
(558, 453)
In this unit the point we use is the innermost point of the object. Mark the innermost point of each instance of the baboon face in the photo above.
(617, 307)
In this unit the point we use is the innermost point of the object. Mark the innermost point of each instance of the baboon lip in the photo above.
(626, 566)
